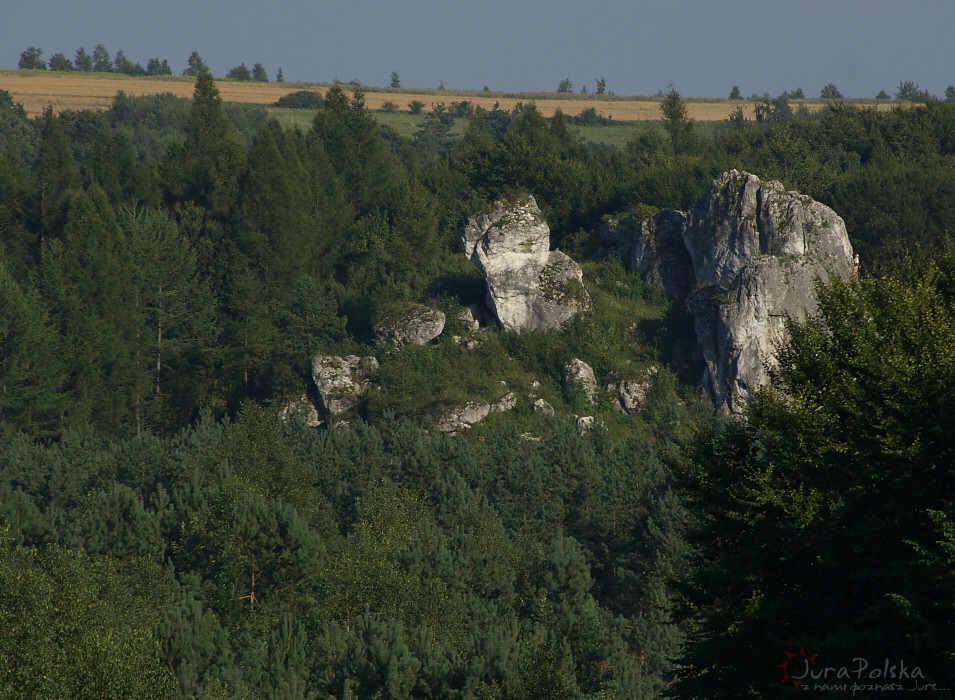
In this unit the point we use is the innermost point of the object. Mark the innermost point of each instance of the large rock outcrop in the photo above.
(528, 284)
(756, 254)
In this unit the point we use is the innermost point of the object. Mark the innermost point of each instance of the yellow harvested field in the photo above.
(37, 90)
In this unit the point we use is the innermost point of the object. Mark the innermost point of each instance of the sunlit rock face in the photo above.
(755, 254)
(528, 285)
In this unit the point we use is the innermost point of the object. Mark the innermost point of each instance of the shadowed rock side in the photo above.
(528, 285)
(756, 252)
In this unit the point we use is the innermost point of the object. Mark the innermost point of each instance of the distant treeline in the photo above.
(101, 62)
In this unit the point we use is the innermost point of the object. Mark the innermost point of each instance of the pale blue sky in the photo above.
(702, 47)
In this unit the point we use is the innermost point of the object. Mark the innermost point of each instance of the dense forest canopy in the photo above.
(168, 269)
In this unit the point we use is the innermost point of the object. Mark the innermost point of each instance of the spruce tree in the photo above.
(350, 136)
(58, 173)
(87, 276)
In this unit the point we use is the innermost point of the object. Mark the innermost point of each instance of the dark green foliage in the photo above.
(114, 167)
(830, 92)
(208, 167)
(678, 125)
(102, 63)
(154, 66)
(349, 137)
(125, 66)
(30, 376)
(58, 173)
(31, 59)
(909, 91)
(240, 73)
(196, 66)
(87, 277)
(79, 627)
(826, 516)
(301, 99)
(83, 60)
(59, 62)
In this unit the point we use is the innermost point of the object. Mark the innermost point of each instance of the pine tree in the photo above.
(176, 312)
(825, 519)
(278, 230)
(113, 166)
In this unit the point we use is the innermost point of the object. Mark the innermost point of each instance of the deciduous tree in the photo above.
(31, 59)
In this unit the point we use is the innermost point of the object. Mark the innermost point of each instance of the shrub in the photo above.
(302, 99)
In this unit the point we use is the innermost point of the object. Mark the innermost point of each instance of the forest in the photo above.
(169, 267)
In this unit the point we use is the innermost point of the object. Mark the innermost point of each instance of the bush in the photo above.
(302, 99)
(416, 106)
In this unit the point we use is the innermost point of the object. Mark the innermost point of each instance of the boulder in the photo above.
(578, 373)
(463, 417)
(528, 285)
(411, 324)
(467, 318)
(545, 409)
(341, 380)
(505, 403)
(301, 409)
(631, 394)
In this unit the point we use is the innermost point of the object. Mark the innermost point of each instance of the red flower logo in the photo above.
(789, 657)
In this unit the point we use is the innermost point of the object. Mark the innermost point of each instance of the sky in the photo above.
(702, 47)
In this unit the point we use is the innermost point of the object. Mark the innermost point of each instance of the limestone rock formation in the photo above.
(463, 417)
(654, 248)
(411, 324)
(301, 409)
(757, 252)
(341, 380)
(505, 403)
(528, 285)
(578, 373)
(632, 393)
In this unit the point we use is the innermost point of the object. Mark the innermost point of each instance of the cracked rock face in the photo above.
(755, 254)
(341, 380)
(414, 324)
(528, 285)
(579, 373)
(463, 417)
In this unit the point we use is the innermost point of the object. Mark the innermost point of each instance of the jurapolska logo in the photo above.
(801, 670)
